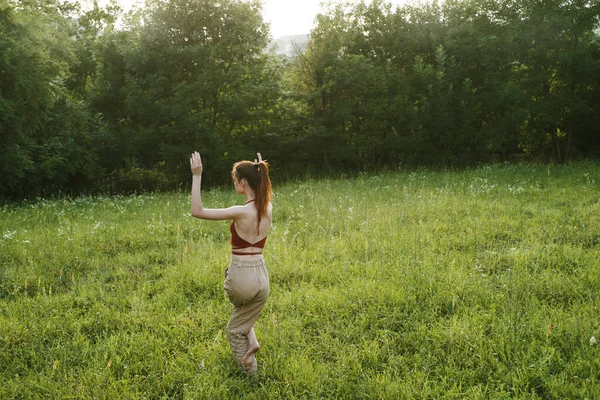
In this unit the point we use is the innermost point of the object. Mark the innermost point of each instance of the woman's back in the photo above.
(247, 228)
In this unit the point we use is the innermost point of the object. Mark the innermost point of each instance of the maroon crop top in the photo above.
(238, 243)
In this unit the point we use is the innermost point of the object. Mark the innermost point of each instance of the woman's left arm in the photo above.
(198, 210)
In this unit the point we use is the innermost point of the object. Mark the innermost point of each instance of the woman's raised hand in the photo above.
(259, 158)
(196, 164)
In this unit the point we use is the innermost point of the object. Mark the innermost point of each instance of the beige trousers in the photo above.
(247, 287)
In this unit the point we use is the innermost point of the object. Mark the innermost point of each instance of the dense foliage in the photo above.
(93, 99)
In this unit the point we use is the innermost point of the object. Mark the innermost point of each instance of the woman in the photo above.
(247, 277)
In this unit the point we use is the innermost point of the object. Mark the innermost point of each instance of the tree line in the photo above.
(96, 100)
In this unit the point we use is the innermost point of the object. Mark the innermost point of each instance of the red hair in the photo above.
(257, 176)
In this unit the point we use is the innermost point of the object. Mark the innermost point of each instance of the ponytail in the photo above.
(263, 190)
(257, 176)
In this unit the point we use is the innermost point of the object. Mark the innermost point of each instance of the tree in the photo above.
(197, 79)
(554, 50)
(45, 142)
(32, 67)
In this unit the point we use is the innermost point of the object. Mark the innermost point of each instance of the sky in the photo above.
(294, 17)
(287, 17)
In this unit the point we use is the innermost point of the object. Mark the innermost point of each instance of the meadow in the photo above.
(480, 283)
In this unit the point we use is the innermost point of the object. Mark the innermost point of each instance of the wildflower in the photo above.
(594, 341)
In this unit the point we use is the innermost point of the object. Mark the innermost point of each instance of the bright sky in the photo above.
(294, 17)
(287, 17)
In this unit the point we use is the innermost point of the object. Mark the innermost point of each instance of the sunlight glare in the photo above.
(287, 17)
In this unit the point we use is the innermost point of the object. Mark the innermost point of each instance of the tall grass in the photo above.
(413, 284)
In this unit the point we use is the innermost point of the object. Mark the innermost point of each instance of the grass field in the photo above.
(413, 284)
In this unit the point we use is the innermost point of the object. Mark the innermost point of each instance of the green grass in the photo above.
(413, 284)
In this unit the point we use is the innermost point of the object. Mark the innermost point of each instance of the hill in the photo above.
(289, 44)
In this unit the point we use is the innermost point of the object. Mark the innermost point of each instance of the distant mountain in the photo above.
(288, 44)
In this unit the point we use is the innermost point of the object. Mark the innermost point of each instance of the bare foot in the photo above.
(250, 366)
(248, 362)
(248, 358)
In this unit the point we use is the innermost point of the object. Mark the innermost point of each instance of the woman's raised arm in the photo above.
(198, 210)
